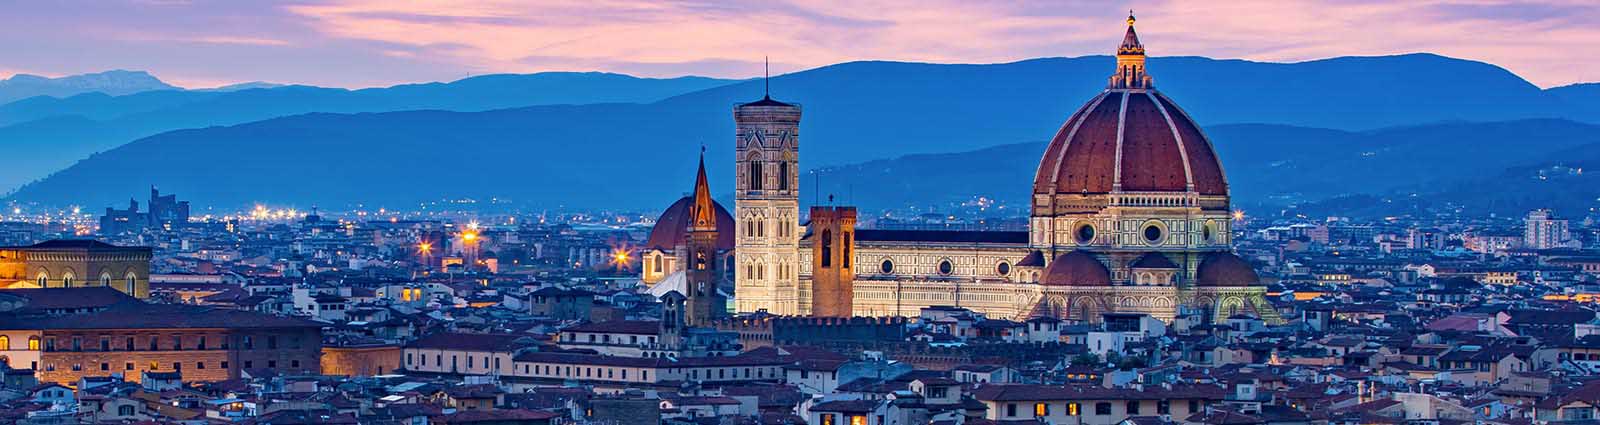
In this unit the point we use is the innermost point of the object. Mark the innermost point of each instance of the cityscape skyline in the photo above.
(366, 44)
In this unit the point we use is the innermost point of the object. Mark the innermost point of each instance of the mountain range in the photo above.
(55, 132)
(114, 83)
(857, 115)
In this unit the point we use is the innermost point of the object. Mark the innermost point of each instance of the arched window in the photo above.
(33, 343)
(125, 410)
(847, 249)
(44, 280)
(5, 342)
(132, 282)
(105, 279)
(66, 281)
(827, 248)
(783, 175)
(755, 175)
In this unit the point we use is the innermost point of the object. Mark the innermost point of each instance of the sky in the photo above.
(366, 43)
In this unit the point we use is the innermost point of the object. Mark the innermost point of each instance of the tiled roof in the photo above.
(158, 316)
(1028, 392)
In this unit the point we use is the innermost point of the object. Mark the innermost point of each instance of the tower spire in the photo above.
(1130, 72)
(703, 213)
(766, 79)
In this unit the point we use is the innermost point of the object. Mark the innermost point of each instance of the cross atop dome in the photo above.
(1130, 62)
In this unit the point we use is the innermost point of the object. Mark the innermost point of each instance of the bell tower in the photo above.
(767, 207)
(704, 303)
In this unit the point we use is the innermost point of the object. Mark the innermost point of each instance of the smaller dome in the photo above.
(1153, 260)
(673, 227)
(1225, 269)
(1034, 259)
(1076, 268)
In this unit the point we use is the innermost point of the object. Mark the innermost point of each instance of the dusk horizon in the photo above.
(620, 212)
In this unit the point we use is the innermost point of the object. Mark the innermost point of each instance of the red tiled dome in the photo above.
(1076, 268)
(673, 226)
(1132, 140)
(1225, 269)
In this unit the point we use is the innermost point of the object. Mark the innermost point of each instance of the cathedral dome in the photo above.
(1076, 268)
(1225, 269)
(1129, 138)
(673, 226)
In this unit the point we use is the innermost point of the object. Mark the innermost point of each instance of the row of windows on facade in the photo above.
(105, 280)
(1154, 233)
(945, 267)
(606, 339)
(759, 271)
(493, 363)
(155, 366)
(758, 228)
(756, 175)
(1100, 409)
(247, 342)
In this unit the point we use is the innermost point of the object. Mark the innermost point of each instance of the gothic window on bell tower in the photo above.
(783, 175)
(755, 175)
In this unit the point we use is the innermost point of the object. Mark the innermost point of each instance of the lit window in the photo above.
(858, 420)
(1072, 409)
(1041, 409)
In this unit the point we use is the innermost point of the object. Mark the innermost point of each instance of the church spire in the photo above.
(1130, 62)
(703, 214)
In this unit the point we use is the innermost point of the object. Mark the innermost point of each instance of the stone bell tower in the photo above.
(704, 303)
(767, 207)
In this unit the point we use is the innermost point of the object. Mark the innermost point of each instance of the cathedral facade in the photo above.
(1129, 214)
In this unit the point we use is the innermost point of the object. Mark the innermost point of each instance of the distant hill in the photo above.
(1498, 166)
(23, 86)
(636, 154)
(98, 121)
(1583, 98)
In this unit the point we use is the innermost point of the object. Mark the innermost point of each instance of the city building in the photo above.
(1130, 213)
(77, 264)
(166, 211)
(127, 339)
(1542, 230)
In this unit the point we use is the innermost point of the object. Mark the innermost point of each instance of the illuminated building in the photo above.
(130, 338)
(1130, 214)
(77, 264)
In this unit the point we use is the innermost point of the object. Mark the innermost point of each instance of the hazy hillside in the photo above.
(630, 154)
(23, 86)
(101, 122)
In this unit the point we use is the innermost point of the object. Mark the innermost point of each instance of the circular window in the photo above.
(1207, 234)
(1003, 269)
(1152, 233)
(945, 268)
(1085, 233)
(887, 267)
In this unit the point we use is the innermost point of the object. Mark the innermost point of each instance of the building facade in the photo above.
(202, 344)
(1542, 230)
(77, 264)
(1130, 214)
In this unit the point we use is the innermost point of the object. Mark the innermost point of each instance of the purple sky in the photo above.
(360, 43)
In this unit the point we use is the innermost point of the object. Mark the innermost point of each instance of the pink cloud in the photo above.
(635, 36)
